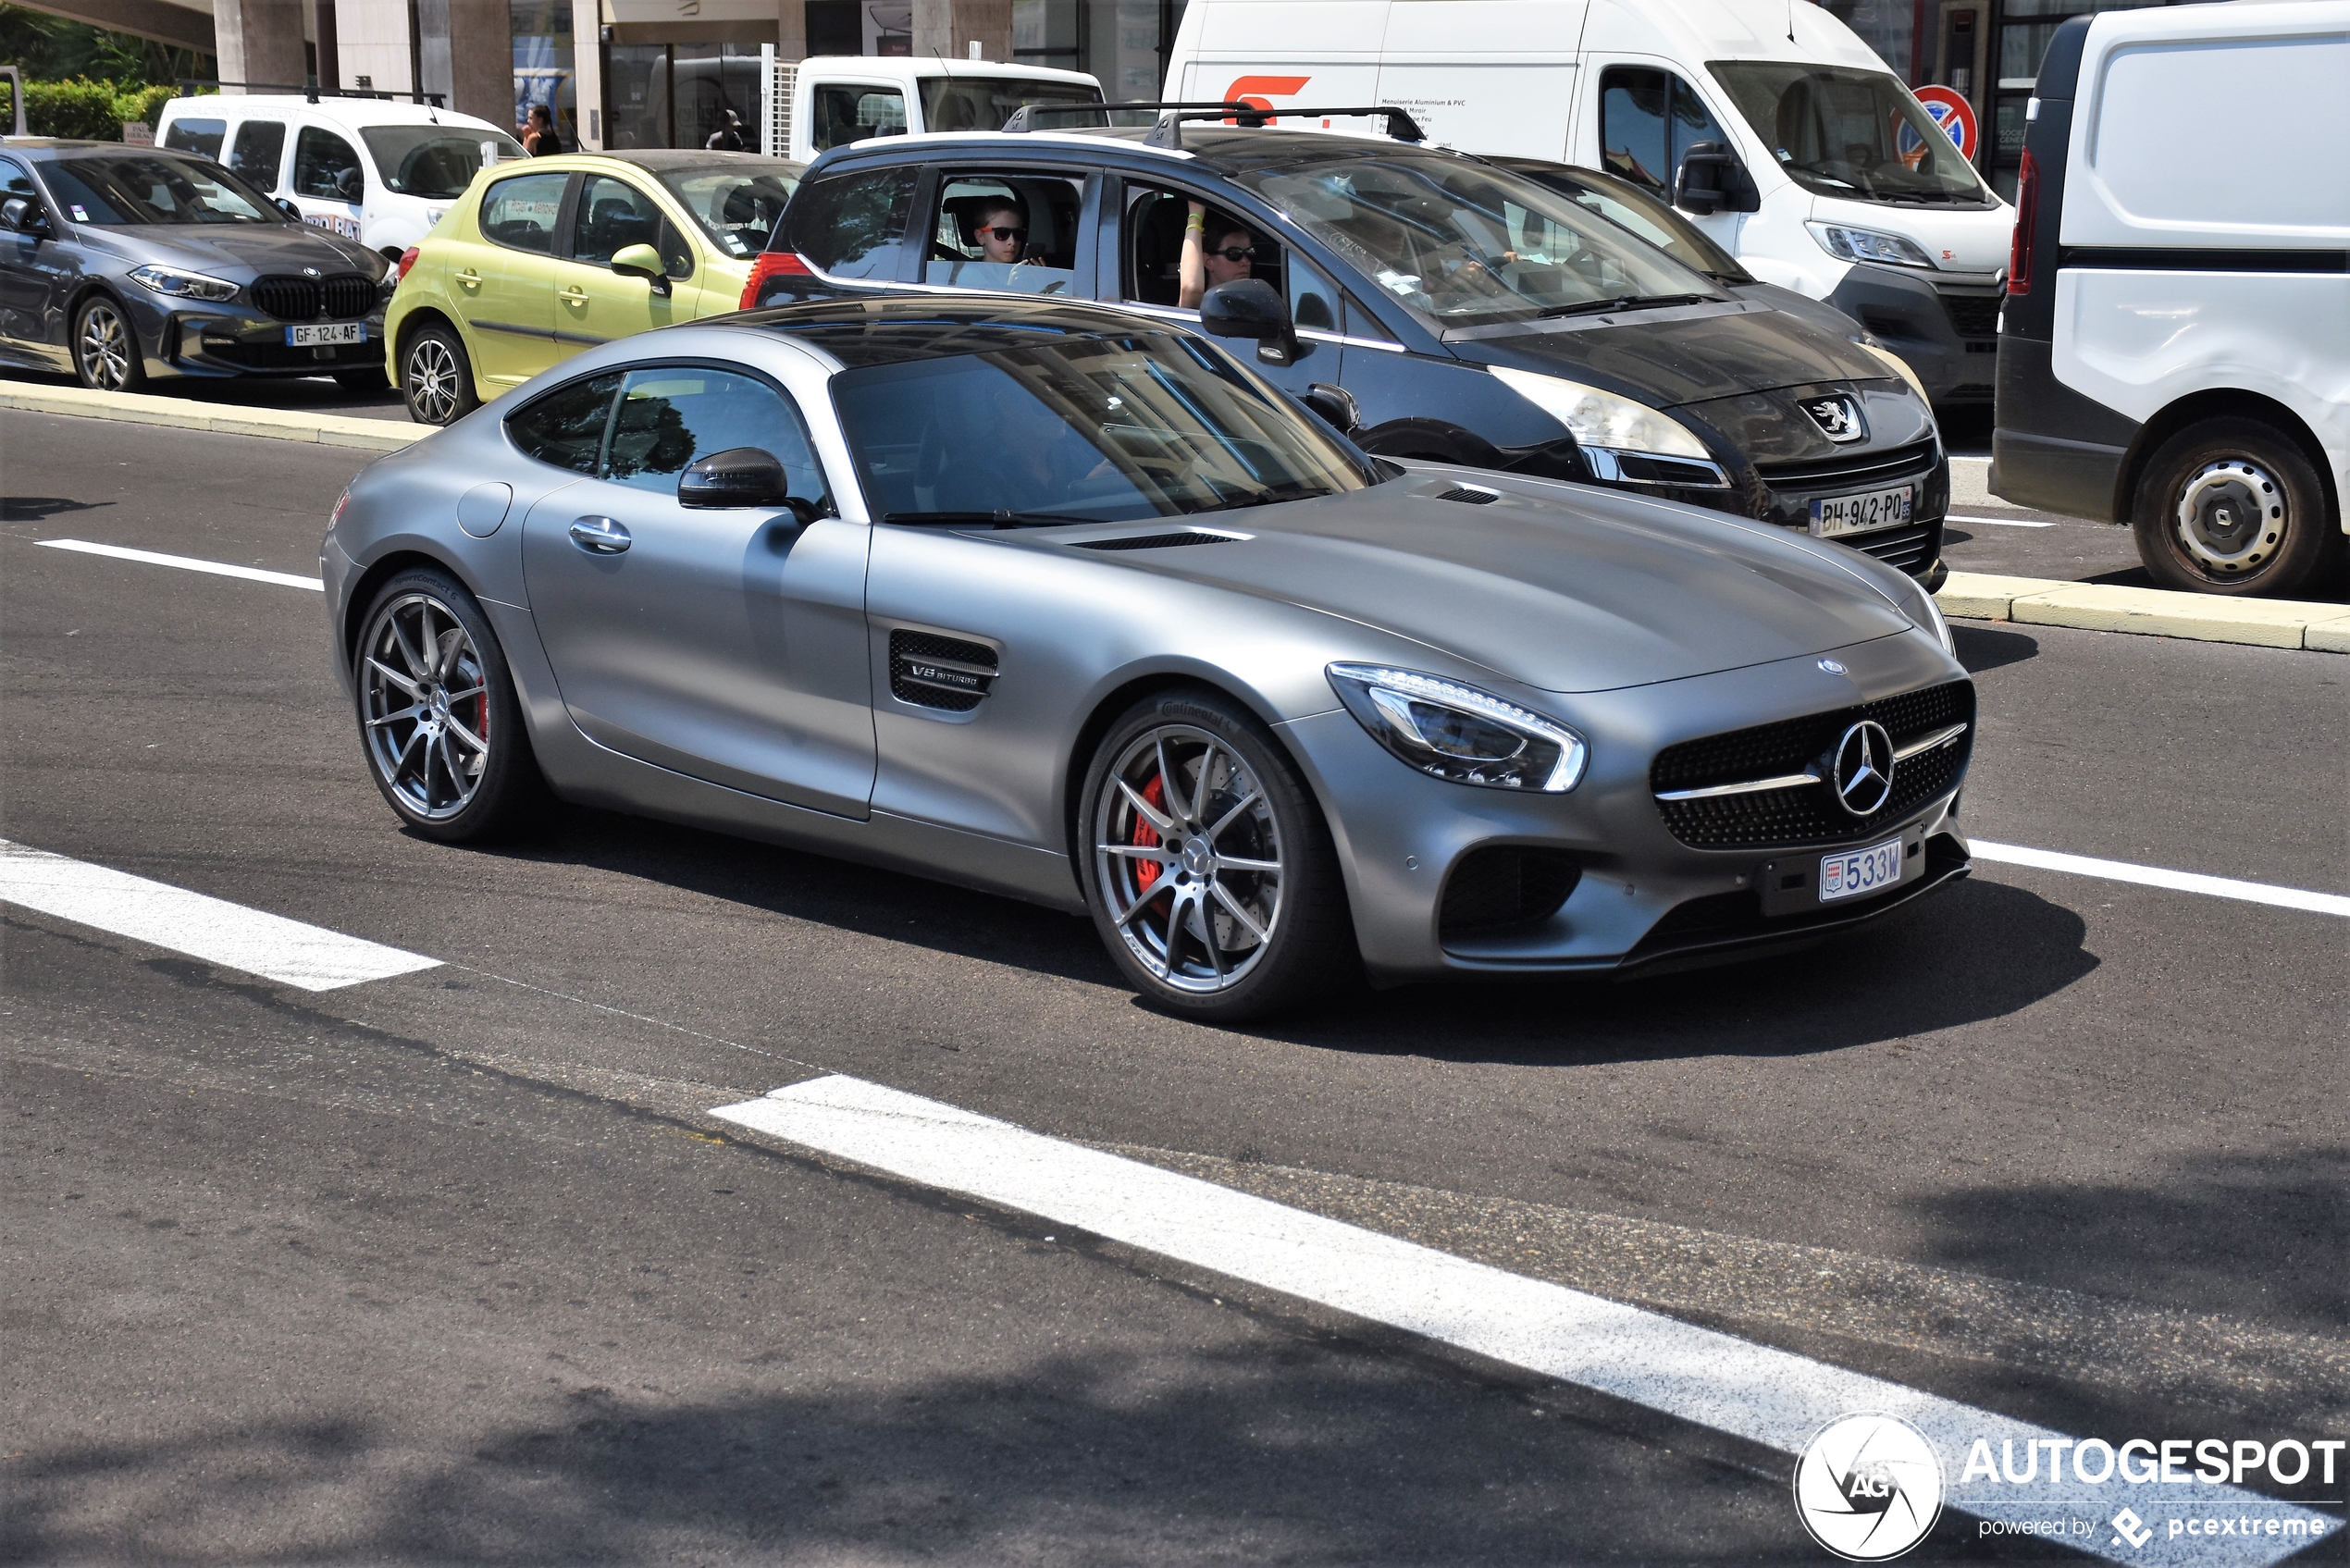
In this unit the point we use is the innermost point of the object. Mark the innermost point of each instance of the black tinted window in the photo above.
(566, 427)
(672, 415)
(854, 226)
(196, 136)
(327, 167)
(259, 151)
(521, 213)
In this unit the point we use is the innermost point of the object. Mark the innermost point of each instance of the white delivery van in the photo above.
(1768, 121)
(829, 101)
(2175, 352)
(371, 170)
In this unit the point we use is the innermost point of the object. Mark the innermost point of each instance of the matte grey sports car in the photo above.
(1069, 604)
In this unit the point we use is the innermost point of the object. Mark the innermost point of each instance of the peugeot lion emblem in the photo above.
(1862, 773)
(1837, 416)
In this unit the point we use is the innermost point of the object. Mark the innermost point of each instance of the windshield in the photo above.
(738, 202)
(1622, 202)
(156, 189)
(435, 161)
(1463, 242)
(984, 102)
(1152, 425)
(1851, 133)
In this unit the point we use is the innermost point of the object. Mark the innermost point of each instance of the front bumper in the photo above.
(186, 337)
(1642, 900)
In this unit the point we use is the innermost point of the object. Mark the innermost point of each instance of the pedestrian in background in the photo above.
(539, 138)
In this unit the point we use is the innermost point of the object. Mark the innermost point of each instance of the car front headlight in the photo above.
(1847, 243)
(1450, 730)
(183, 285)
(1602, 419)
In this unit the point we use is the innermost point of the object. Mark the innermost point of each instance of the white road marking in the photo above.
(1998, 522)
(202, 927)
(187, 564)
(2156, 876)
(1767, 1396)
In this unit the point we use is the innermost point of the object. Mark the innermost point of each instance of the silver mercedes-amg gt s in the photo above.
(1053, 601)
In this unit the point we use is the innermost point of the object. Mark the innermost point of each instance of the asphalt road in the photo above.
(455, 1265)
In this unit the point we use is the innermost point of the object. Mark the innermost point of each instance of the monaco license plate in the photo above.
(1858, 514)
(326, 336)
(1863, 871)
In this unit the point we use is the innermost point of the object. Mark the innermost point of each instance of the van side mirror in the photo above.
(1335, 406)
(1247, 307)
(742, 476)
(24, 215)
(1711, 178)
(642, 261)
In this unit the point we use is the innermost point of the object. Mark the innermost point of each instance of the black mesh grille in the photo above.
(1470, 498)
(343, 296)
(933, 671)
(1971, 315)
(1808, 813)
(1912, 550)
(1505, 885)
(1853, 468)
(1157, 541)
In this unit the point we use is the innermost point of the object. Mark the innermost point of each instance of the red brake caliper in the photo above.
(1147, 872)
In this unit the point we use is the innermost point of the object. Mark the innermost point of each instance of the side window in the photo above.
(325, 168)
(566, 427)
(258, 151)
(196, 136)
(842, 115)
(1648, 120)
(614, 214)
(1151, 238)
(520, 213)
(671, 414)
(1012, 232)
(854, 226)
(1314, 300)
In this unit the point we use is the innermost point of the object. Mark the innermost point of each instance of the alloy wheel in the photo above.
(432, 381)
(426, 705)
(104, 347)
(1188, 858)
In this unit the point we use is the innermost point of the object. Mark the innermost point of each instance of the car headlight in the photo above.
(1846, 243)
(1450, 730)
(1602, 419)
(183, 285)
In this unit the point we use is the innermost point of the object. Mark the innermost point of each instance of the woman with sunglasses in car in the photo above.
(1204, 265)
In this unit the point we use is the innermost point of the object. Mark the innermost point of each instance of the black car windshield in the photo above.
(737, 203)
(984, 102)
(1082, 429)
(127, 192)
(1620, 202)
(1462, 241)
(1840, 131)
(433, 161)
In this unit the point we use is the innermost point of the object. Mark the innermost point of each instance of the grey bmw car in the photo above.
(1067, 603)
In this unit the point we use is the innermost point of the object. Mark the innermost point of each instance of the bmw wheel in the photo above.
(2232, 506)
(438, 715)
(437, 377)
(1208, 868)
(106, 347)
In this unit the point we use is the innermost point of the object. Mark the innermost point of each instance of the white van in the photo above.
(2175, 352)
(829, 101)
(1768, 121)
(370, 169)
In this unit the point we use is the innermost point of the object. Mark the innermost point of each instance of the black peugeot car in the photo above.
(1471, 315)
(122, 264)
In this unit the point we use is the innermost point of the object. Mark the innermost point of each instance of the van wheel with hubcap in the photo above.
(1208, 868)
(437, 377)
(106, 347)
(2232, 506)
(438, 715)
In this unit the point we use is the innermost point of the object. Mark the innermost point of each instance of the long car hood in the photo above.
(1672, 357)
(1563, 589)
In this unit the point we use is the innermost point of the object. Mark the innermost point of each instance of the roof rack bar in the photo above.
(437, 100)
(1168, 133)
(1023, 118)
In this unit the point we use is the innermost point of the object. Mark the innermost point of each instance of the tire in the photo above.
(457, 771)
(106, 356)
(1211, 934)
(2233, 506)
(437, 377)
(368, 378)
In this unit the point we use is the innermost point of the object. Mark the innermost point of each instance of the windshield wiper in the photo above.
(1622, 301)
(985, 519)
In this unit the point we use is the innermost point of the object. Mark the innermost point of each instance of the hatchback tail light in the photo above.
(407, 260)
(773, 264)
(2027, 219)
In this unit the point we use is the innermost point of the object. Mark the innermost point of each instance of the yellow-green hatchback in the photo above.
(543, 258)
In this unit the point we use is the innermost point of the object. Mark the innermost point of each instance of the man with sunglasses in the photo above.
(1216, 250)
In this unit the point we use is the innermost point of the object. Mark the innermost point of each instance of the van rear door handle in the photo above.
(600, 536)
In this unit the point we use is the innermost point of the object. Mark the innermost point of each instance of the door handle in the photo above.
(600, 536)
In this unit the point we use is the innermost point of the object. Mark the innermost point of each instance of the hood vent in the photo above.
(930, 671)
(1158, 541)
(1467, 497)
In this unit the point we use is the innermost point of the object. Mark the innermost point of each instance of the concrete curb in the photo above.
(2101, 607)
(183, 413)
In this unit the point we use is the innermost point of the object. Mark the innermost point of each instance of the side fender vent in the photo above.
(933, 671)
(1158, 541)
(1467, 497)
